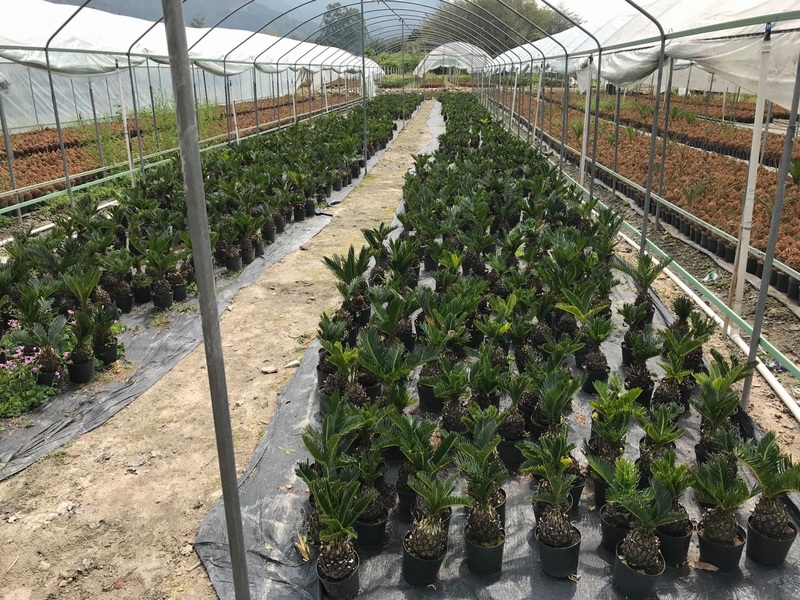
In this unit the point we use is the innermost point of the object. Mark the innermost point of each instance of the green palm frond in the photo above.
(774, 470)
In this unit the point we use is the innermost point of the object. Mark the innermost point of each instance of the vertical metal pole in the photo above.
(564, 119)
(201, 250)
(255, 99)
(596, 131)
(205, 87)
(531, 122)
(9, 156)
(294, 97)
(616, 135)
(688, 82)
(125, 127)
(153, 106)
(58, 131)
(364, 85)
(403, 66)
(708, 96)
(97, 137)
(746, 222)
(513, 102)
(664, 138)
(585, 138)
(648, 188)
(766, 133)
(227, 106)
(769, 254)
(134, 94)
(108, 96)
(74, 99)
(278, 100)
(33, 97)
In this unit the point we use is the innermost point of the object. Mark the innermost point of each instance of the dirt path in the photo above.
(116, 510)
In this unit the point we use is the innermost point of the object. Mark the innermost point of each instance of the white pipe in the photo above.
(235, 121)
(773, 382)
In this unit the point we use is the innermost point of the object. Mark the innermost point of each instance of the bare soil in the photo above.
(117, 510)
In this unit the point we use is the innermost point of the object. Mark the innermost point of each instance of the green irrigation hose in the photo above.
(697, 285)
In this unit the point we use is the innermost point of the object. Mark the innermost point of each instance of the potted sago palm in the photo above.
(425, 545)
(339, 505)
(80, 362)
(558, 539)
(676, 536)
(770, 533)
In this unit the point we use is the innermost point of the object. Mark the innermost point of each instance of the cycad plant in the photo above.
(350, 270)
(661, 431)
(622, 479)
(485, 475)
(512, 429)
(555, 395)
(643, 274)
(677, 479)
(649, 508)
(717, 401)
(613, 411)
(339, 505)
(777, 476)
(727, 491)
(554, 527)
(484, 378)
(82, 326)
(49, 341)
(428, 537)
(643, 345)
(452, 385)
(677, 381)
(549, 457)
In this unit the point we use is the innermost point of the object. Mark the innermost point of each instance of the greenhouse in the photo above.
(475, 298)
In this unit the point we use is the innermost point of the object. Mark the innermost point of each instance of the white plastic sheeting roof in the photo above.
(733, 54)
(94, 42)
(454, 54)
(573, 39)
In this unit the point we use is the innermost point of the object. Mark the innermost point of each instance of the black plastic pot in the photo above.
(633, 583)
(675, 548)
(141, 295)
(611, 535)
(704, 241)
(577, 491)
(765, 550)
(500, 509)
(730, 254)
(124, 303)
(429, 401)
(592, 376)
(510, 455)
(337, 185)
(311, 207)
(107, 354)
(419, 571)
(370, 535)
(344, 589)
(722, 249)
(162, 301)
(559, 562)
(712, 245)
(233, 263)
(783, 282)
(794, 289)
(407, 500)
(299, 213)
(248, 255)
(773, 278)
(725, 558)
(179, 292)
(484, 560)
(752, 265)
(627, 355)
(280, 224)
(429, 264)
(373, 391)
(259, 249)
(81, 372)
(600, 486)
(45, 379)
(269, 235)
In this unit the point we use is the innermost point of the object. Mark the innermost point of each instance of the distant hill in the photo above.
(250, 17)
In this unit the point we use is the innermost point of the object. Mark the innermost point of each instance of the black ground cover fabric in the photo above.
(274, 503)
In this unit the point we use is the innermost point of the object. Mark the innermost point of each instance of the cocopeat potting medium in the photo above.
(274, 504)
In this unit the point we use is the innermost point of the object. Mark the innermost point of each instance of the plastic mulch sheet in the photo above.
(274, 504)
(152, 352)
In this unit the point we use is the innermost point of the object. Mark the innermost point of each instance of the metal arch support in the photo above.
(648, 188)
(55, 103)
(593, 172)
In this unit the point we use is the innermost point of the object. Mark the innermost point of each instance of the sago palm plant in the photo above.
(428, 537)
(776, 475)
(727, 491)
